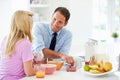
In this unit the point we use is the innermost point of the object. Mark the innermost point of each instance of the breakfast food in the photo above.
(107, 66)
(71, 69)
(58, 64)
(40, 74)
(97, 67)
(50, 68)
(86, 68)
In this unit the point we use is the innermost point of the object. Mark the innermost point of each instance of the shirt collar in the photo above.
(51, 32)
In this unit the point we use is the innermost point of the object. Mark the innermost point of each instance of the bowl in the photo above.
(50, 68)
(58, 64)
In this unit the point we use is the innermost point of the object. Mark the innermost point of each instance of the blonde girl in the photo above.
(15, 50)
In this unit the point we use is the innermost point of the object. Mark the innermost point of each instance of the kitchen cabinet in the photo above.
(40, 9)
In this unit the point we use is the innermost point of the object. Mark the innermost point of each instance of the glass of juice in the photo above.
(40, 70)
(58, 62)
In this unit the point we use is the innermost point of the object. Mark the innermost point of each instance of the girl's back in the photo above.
(12, 67)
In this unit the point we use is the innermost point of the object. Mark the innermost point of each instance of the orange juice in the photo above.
(40, 70)
(58, 63)
(40, 74)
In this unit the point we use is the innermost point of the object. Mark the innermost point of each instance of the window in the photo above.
(117, 16)
(105, 18)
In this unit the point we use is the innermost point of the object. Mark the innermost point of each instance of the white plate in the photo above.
(100, 74)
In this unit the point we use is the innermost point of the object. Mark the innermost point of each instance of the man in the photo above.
(43, 34)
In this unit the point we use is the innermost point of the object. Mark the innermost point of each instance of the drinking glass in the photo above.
(40, 70)
(58, 62)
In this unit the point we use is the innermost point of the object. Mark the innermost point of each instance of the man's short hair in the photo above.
(64, 11)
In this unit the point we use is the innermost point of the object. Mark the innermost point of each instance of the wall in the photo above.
(5, 8)
(80, 24)
(8, 7)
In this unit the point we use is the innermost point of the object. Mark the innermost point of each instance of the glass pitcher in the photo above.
(89, 49)
(101, 51)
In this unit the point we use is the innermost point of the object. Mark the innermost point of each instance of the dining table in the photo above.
(79, 74)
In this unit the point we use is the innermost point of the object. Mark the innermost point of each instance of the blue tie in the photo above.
(53, 41)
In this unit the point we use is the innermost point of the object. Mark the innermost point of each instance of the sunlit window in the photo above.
(117, 16)
(100, 26)
(106, 21)
(106, 18)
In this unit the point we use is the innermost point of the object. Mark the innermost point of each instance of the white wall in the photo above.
(5, 12)
(8, 7)
(80, 24)
(19, 5)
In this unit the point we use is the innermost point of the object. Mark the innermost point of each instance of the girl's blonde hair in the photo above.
(21, 26)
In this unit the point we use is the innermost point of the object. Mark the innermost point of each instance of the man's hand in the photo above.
(53, 54)
(68, 59)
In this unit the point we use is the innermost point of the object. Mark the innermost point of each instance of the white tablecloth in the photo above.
(78, 75)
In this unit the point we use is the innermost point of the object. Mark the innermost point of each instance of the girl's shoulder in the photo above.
(23, 42)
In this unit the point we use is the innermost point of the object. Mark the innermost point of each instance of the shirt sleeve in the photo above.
(38, 42)
(26, 52)
(67, 44)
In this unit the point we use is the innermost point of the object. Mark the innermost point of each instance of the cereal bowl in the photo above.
(58, 64)
(50, 68)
